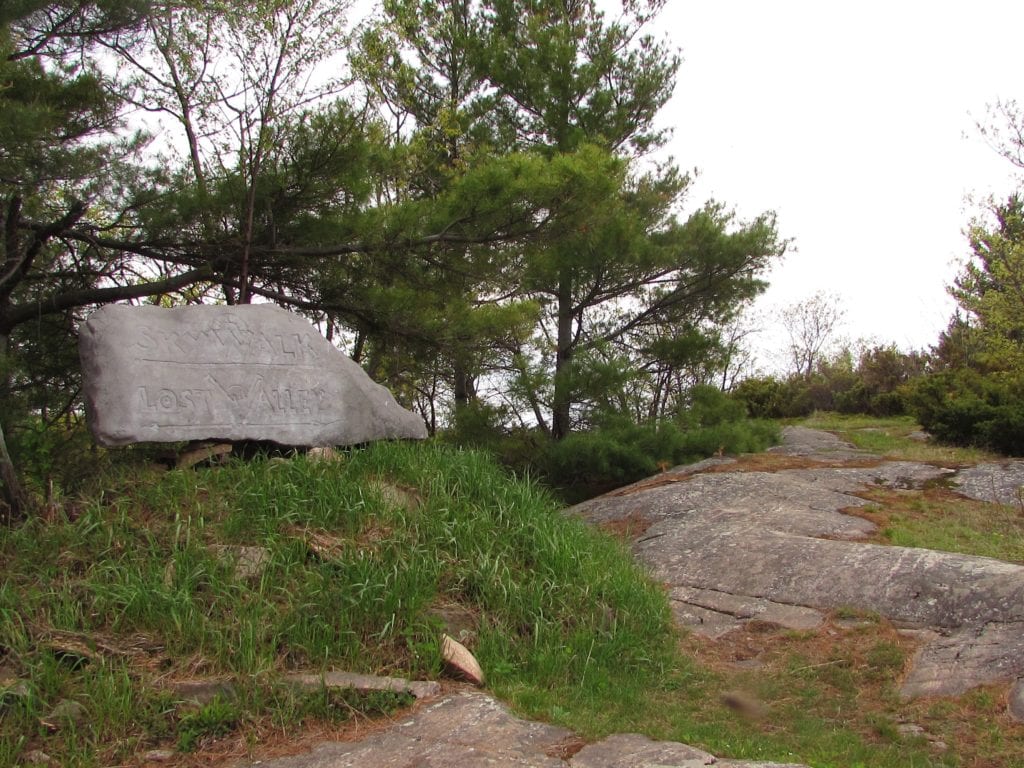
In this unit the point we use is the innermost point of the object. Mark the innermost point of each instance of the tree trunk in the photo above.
(562, 406)
(13, 493)
(462, 384)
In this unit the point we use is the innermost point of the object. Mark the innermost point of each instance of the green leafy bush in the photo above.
(871, 381)
(619, 452)
(765, 397)
(966, 408)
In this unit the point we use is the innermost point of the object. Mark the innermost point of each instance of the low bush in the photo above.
(871, 382)
(966, 408)
(619, 452)
(765, 397)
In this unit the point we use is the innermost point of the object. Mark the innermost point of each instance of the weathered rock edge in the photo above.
(473, 729)
(253, 372)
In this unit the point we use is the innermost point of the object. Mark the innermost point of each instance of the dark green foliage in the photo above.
(968, 408)
(58, 458)
(477, 425)
(710, 407)
(871, 382)
(765, 397)
(619, 452)
(606, 458)
(977, 398)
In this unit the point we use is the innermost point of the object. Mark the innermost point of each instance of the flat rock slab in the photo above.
(712, 614)
(200, 692)
(974, 655)
(472, 730)
(907, 585)
(420, 689)
(815, 443)
(783, 547)
(466, 730)
(252, 372)
(999, 483)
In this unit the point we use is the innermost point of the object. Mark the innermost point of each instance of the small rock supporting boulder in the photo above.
(1015, 705)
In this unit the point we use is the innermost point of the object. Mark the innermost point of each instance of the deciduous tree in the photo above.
(811, 326)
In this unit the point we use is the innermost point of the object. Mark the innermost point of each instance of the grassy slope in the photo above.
(351, 580)
(569, 630)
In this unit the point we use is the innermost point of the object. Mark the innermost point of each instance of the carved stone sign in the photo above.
(252, 372)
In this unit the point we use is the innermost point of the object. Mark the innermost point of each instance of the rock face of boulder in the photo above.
(253, 372)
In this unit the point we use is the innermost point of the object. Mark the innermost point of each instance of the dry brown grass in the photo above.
(850, 669)
(629, 527)
(778, 462)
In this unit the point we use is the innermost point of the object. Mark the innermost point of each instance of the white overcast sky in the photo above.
(855, 122)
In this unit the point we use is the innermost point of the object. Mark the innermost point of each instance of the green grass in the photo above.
(935, 518)
(360, 553)
(888, 437)
(558, 604)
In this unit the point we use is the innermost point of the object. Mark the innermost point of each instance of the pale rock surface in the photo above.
(66, 713)
(1000, 483)
(201, 691)
(252, 372)
(459, 659)
(472, 729)
(420, 689)
(634, 749)
(1015, 705)
(967, 657)
(37, 757)
(249, 563)
(783, 547)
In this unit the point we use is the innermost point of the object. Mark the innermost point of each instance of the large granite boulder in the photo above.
(253, 372)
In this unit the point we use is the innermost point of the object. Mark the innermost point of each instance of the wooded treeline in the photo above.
(466, 196)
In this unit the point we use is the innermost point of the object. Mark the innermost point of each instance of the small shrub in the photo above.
(764, 397)
(967, 408)
(888, 404)
(477, 425)
(599, 459)
(211, 721)
(710, 407)
(619, 452)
